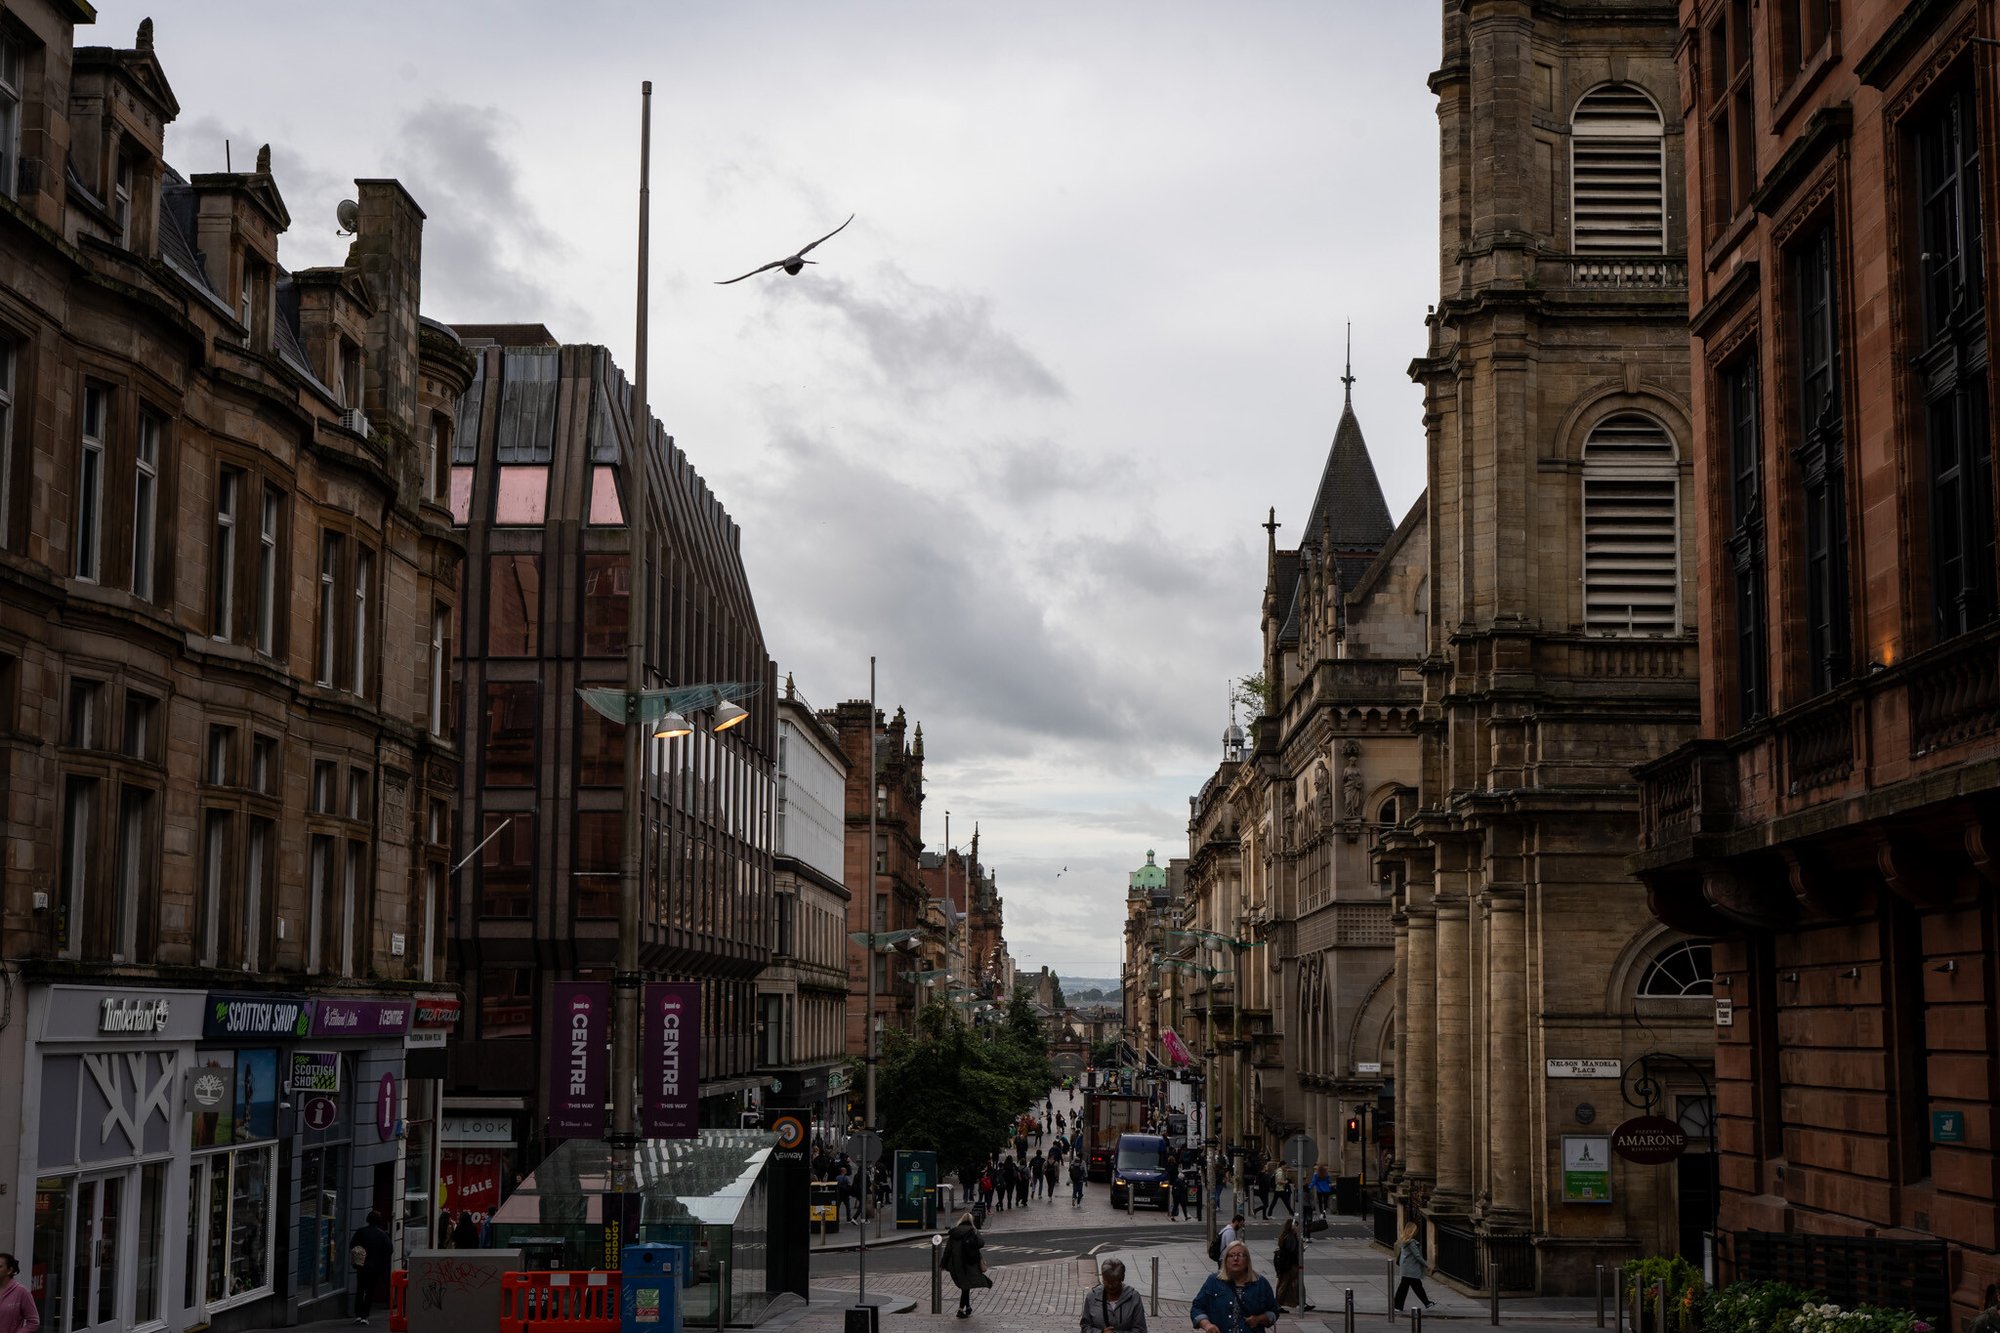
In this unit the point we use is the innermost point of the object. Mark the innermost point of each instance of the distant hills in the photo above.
(1077, 989)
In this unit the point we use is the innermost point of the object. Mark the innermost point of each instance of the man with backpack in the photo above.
(1228, 1236)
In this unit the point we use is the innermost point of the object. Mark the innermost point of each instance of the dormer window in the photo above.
(10, 114)
(121, 200)
(348, 385)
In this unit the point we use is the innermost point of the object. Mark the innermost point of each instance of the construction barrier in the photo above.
(399, 1301)
(581, 1302)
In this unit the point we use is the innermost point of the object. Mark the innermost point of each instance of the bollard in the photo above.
(1156, 1287)
(1600, 1295)
(1389, 1293)
(1417, 1318)
(1348, 1325)
(1492, 1286)
(1660, 1307)
(722, 1293)
(937, 1274)
(1618, 1299)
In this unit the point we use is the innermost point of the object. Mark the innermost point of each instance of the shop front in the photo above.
(104, 1139)
(346, 1081)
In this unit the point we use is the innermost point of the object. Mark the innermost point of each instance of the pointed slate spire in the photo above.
(1349, 515)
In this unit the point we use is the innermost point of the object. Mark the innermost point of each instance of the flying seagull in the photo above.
(792, 263)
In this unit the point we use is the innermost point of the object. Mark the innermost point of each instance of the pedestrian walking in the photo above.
(444, 1228)
(962, 1262)
(1021, 1144)
(466, 1235)
(1035, 1174)
(1021, 1183)
(1285, 1263)
(1232, 1232)
(1410, 1267)
(371, 1251)
(1111, 1306)
(1077, 1175)
(986, 1187)
(1264, 1186)
(1234, 1299)
(1281, 1188)
(1051, 1178)
(1322, 1190)
(18, 1312)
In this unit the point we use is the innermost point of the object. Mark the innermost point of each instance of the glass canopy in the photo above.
(707, 1195)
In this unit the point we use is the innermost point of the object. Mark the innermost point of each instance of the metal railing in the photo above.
(1851, 1270)
(1458, 1254)
(1382, 1214)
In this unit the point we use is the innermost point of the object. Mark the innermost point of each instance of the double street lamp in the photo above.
(1208, 939)
(665, 711)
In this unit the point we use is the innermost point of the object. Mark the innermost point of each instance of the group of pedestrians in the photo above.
(1234, 1299)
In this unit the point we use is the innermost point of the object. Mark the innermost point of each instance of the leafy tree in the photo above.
(1104, 1053)
(1060, 1003)
(1254, 693)
(956, 1092)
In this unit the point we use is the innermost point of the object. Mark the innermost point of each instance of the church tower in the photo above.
(1560, 646)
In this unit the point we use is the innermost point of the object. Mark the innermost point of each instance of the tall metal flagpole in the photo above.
(875, 927)
(627, 982)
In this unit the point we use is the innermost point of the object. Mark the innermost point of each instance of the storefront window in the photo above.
(229, 1231)
(51, 1262)
(322, 1207)
(152, 1240)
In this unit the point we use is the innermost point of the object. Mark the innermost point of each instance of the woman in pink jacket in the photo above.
(17, 1307)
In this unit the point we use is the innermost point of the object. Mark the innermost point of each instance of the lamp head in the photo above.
(672, 727)
(727, 714)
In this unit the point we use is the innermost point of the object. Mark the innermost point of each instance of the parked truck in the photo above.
(1106, 1115)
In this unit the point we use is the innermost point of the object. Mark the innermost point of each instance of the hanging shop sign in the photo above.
(670, 1079)
(580, 1059)
(1586, 1168)
(315, 1072)
(1649, 1140)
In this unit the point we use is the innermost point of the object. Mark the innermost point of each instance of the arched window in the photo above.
(1631, 528)
(1618, 182)
(1681, 972)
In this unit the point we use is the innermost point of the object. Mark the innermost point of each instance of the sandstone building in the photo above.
(802, 995)
(538, 480)
(1831, 827)
(890, 874)
(1560, 654)
(227, 765)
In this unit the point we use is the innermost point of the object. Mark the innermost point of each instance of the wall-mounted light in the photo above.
(1792, 977)
(1948, 965)
(1852, 973)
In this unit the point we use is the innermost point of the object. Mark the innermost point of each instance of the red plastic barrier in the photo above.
(585, 1302)
(399, 1301)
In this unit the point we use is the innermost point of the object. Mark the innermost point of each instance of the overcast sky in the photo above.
(1016, 434)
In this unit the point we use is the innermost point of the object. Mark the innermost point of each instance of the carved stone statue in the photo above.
(1350, 781)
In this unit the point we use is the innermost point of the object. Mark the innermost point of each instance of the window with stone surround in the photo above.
(1681, 971)
(1631, 528)
(87, 555)
(1804, 28)
(1618, 182)
(1728, 113)
(1745, 452)
(1821, 458)
(1951, 362)
(10, 114)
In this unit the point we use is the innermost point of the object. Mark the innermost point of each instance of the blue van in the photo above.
(1141, 1168)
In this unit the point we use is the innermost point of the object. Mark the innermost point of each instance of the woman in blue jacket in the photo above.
(1235, 1300)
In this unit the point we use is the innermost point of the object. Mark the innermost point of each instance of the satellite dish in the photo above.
(348, 215)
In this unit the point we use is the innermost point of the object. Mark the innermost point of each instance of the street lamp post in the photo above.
(1237, 948)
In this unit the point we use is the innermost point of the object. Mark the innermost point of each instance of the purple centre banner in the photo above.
(670, 1077)
(580, 1059)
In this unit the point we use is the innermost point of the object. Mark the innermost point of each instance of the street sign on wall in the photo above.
(1585, 1069)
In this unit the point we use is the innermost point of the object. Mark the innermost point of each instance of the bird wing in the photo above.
(829, 236)
(775, 263)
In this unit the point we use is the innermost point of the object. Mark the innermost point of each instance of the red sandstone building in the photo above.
(226, 764)
(892, 870)
(1834, 828)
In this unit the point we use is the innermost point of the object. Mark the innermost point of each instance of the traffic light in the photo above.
(1354, 1129)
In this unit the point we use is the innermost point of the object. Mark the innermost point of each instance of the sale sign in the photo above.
(472, 1179)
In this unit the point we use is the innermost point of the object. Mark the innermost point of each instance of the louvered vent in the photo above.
(1631, 529)
(1618, 184)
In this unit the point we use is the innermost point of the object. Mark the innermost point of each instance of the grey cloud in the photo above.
(485, 247)
(925, 340)
(1030, 473)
